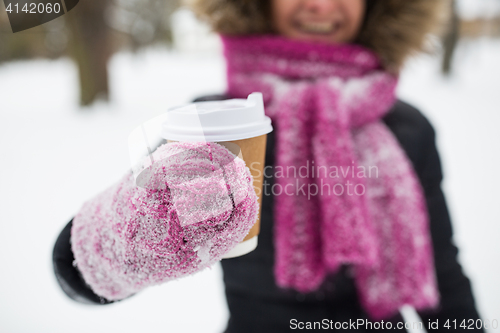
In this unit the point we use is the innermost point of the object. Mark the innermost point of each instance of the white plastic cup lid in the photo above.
(217, 121)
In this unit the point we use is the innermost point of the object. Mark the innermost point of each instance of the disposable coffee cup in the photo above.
(238, 124)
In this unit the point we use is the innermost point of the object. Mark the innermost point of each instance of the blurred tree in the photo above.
(90, 34)
(481, 27)
(90, 47)
(99, 28)
(450, 39)
(143, 21)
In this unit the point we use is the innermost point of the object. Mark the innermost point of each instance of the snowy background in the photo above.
(56, 156)
(478, 8)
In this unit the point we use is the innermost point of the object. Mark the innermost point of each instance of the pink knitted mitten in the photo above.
(196, 205)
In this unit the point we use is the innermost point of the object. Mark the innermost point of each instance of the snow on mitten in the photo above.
(197, 203)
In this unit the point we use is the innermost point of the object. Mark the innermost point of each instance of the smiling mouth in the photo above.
(321, 28)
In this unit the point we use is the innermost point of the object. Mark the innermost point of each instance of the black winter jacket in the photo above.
(256, 304)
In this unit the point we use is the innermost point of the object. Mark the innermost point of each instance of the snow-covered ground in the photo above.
(56, 155)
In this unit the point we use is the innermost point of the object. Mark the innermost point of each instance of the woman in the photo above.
(328, 70)
(391, 30)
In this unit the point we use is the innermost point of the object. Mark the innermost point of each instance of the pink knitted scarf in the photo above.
(346, 192)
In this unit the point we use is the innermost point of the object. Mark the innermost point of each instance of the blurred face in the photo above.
(327, 21)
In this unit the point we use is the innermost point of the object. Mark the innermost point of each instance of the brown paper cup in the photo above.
(253, 152)
(239, 125)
